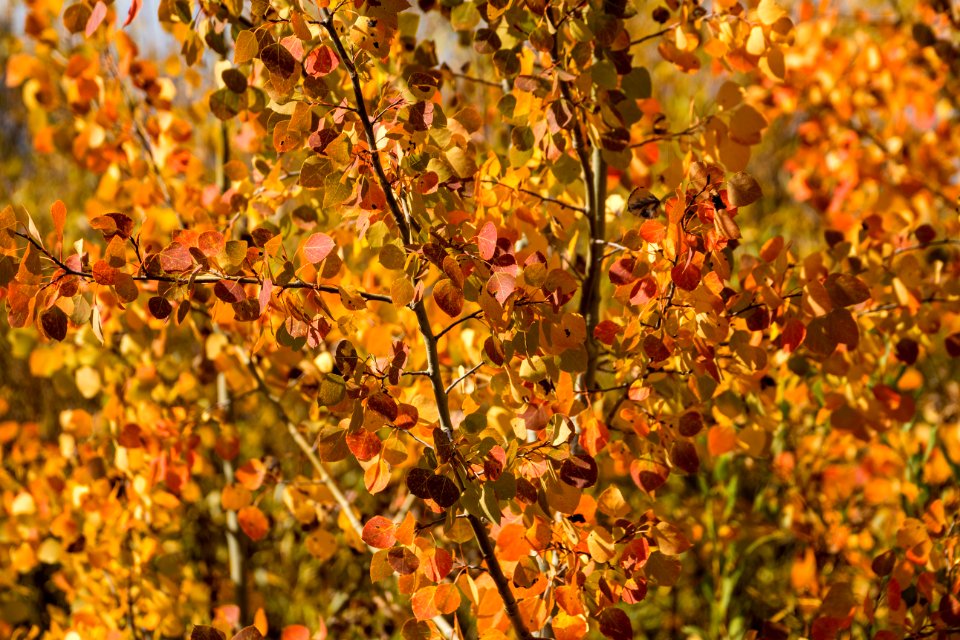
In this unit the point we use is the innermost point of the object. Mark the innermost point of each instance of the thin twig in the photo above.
(475, 314)
(559, 203)
(207, 279)
(461, 379)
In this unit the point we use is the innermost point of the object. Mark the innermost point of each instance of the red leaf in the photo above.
(691, 423)
(295, 632)
(579, 471)
(160, 308)
(683, 455)
(379, 533)
(321, 61)
(266, 291)
(952, 345)
(132, 13)
(655, 349)
(621, 271)
(318, 247)
(606, 331)
(229, 291)
(686, 276)
(176, 258)
(438, 565)
(364, 445)
(203, 632)
(644, 291)
(103, 273)
(443, 490)
(794, 333)
(96, 18)
(487, 241)
(407, 416)
(635, 555)
(501, 285)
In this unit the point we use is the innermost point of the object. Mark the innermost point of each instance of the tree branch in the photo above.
(327, 23)
(426, 331)
(207, 279)
(321, 470)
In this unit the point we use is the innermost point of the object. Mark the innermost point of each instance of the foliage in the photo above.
(350, 339)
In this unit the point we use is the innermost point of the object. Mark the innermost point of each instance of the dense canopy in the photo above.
(479, 319)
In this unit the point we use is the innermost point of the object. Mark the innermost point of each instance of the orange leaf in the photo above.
(251, 474)
(253, 523)
(379, 532)
(58, 211)
(295, 632)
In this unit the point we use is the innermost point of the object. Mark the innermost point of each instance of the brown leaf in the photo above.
(248, 633)
(403, 560)
(54, 323)
(743, 189)
(448, 297)
(443, 491)
(204, 632)
(579, 471)
(615, 624)
(846, 290)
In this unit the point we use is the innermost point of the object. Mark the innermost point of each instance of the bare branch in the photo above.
(461, 379)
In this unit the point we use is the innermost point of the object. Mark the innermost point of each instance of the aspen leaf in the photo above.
(295, 632)
(203, 632)
(403, 560)
(579, 471)
(253, 522)
(417, 479)
(58, 211)
(248, 633)
(245, 47)
(443, 490)
(846, 290)
(423, 604)
(96, 18)
(321, 61)
(487, 241)
(54, 323)
(683, 455)
(501, 285)
(615, 624)
(743, 189)
(686, 276)
(278, 60)
(376, 477)
(438, 565)
(364, 445)
(379, 532)
(448, 297)
(663, 569)
(317, 247)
